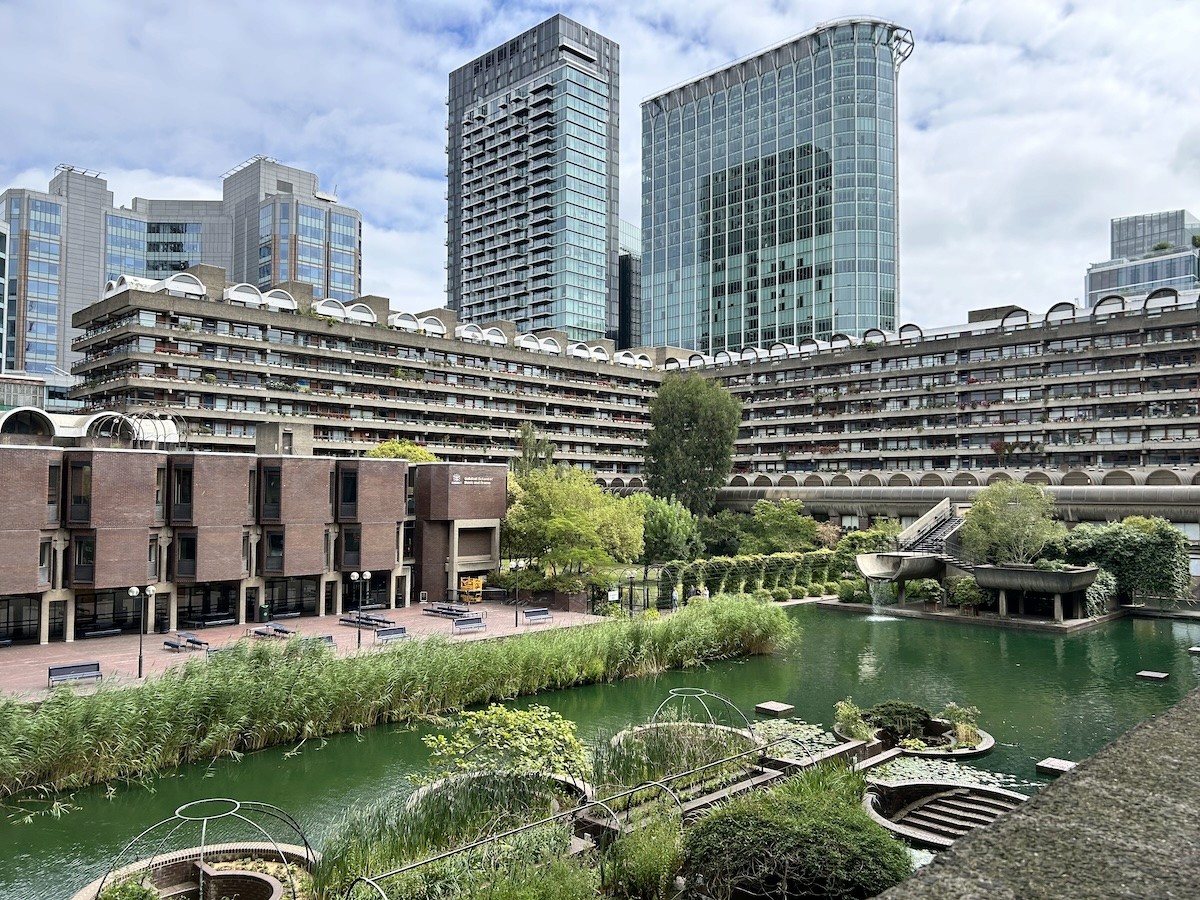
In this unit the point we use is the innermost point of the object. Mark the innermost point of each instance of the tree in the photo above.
(566, 527)
(689, 450)
(778, 527)
(670, 532)
(402, 450)
(533, 741)
(721, 534)
(535, 452)
(1010, 522)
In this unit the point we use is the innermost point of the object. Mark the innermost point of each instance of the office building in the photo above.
(629, 310)
(532, 183)
(273, 224)
(227, 538)
(769, 207)
(1158, 250)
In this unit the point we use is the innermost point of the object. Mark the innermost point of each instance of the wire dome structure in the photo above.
(214, 830)
(693, 704)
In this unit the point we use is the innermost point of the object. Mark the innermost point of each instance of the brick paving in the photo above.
(23, 668)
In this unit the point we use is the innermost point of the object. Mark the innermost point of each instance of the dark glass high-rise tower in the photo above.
(769, 194)
(532, 182)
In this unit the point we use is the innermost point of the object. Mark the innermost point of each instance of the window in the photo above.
(347, 493)
(53, 489)
(160, 494)
(84, 559)
(80, 492)
(272, 492)
(152, 560)
(181, 494)
(185, 561)
(351, 547)
(252, 496)
(246, 551)
(45, 555)
(273, 559)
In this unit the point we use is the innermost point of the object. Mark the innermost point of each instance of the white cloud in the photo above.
(1025, 125)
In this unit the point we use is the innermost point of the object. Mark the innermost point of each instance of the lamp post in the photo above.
(146, 599)
(362, 580)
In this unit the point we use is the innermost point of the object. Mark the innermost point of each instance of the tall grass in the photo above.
(257, 695)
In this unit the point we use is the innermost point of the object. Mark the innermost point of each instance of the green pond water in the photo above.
(1039, 695)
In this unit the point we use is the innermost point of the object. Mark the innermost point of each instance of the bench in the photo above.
(6, 642)
(537, 616)
(73, 672)
(102, 632)
(468, 623)
(210, 652)
(447, 610)
(193, 642)
(174, 646)
(322, 638)
(285, 615)
(262, 632)
(279, 630)
(397, 633)
(368, 621)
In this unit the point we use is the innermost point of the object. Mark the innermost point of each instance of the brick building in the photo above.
(227, 537)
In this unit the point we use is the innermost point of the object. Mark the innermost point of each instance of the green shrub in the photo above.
(853, 590)
(816, 589)
(1101, 593)
(762, 595)
(777, 845)
(963, 592)
(849, 719)
(131, 888)
(965, 721)
(898, 719)
(781, 594)
(831, 587)
(923, 589)
(641, 864)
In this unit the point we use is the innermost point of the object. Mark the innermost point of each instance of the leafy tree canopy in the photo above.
(721, 534)
(689, 450)
(879, 537)
(530, 741)
(670, 531)
(1010, 522)
(534, 452)
(402, 450)
(566, 526)
(1148, 556)
(779, 527)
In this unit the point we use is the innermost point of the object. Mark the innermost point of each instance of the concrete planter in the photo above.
(1031, 578)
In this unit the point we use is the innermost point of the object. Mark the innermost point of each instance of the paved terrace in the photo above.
(1125, 823)
(23, 667)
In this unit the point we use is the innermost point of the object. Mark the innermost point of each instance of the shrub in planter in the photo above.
(963, 592)
(782, 593)
(965, 720)
(130, 889)
(849, 720)
(899, 720)
(925, 589)
(774, 844)
(641, 864)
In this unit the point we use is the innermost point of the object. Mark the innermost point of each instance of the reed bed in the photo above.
(257, 695)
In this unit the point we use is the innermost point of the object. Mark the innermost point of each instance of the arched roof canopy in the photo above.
(246, 294)
(1063, 311)
(433, 326)
(550, 345)
(1015, 317)
(329, 307)
(495, 336)
(278, 298)
(781, 349)
(910, 332)
(184, 283)
(580, 351)
(1163, 298)
(109, 424)
(404, 321)
(1106, 306)
(809, 345)
(27, 420)
(645, 361)
(698, 361)
(752, 354)
(840, 341)
(624, 358)
(361, 313)
(723, 357)
(468, 331)
(599, 354)
(874, 336)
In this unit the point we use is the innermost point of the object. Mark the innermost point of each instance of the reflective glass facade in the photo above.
(33, 302)
(1157, 250)
(769, 194)
(532, 199)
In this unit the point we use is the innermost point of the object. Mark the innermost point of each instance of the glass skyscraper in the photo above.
(769, 194)
(1148, 252)
(533, 182)
(272, 225)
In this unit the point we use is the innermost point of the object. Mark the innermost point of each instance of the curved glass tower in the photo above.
(769, 194)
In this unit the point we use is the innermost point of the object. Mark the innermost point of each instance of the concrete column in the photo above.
(44, 619)
(173, 609)
(1058, 608)
(390, 575)
(452, 562)
(69, 627)
(901, 594)
(337, 596)
(1003, 603)
(241, 601)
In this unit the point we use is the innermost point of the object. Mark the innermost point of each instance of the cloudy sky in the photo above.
(1024, 125)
